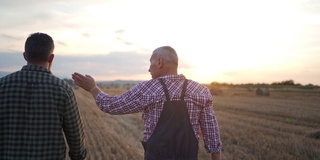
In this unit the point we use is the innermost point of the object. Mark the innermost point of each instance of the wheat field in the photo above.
(282, 126)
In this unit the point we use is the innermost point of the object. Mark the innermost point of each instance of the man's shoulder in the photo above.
(10, 77)
(60, 85)
(147, 83)
(196, 87)
(59, 82)
(196, 84)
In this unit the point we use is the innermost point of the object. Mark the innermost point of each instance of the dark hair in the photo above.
(38, 47)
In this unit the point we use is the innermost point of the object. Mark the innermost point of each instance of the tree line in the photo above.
(289, 83)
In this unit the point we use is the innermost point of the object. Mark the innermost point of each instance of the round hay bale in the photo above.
(314, 134)
(262, 91)
(216, 92)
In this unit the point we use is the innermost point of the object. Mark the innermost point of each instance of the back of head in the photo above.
(168, 54)
(38, 47)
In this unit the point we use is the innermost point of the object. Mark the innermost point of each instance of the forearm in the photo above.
(95, 91)
(73, 130)
(126, 103)
(76, 139)
(210, 131)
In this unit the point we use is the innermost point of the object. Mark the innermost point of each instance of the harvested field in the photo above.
(284, 125)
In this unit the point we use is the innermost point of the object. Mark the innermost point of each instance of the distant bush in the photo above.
(287, 82)
(69, 81)
(309, 86)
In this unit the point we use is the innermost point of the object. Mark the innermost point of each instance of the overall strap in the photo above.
(185, 83)
(165, 89)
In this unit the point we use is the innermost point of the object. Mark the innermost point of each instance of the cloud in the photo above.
(86, 35)
(10, 3)
(11, 61)
(115, 64)
(311, 6)
(61, 43)
(42, 14)
(128, 43)
(120, 31)
(124, 41)
(6, 36)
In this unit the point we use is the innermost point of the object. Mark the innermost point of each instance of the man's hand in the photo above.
(86, 82)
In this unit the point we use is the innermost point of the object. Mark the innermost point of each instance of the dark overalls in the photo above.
(173, 137)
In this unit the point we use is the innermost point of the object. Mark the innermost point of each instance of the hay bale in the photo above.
(262, 91)
(314, 134)
(216, 92)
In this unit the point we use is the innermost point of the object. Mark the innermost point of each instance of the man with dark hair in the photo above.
(174, 109)
(38, 48)
(38, 111)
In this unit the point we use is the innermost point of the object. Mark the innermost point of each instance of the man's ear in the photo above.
(160, 63)
(25, 56)
(51, 58)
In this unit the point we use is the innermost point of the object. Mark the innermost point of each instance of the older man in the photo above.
(174, 109)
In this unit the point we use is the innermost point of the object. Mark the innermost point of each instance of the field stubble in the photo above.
(281, 126)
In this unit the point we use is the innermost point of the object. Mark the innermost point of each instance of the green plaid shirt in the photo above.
(36, 110)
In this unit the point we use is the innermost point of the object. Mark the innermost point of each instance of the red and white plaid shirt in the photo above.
(149, 97)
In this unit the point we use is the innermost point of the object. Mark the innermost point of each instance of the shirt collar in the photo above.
(174, 77)
(35, 68)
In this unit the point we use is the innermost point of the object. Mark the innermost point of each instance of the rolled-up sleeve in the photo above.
(210, 128)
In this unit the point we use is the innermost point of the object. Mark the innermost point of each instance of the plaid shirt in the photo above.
(36, 110)
(148, 97)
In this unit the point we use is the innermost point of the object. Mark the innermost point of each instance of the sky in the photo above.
(230, 41)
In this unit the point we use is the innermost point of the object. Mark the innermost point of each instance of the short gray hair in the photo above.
(168, 53)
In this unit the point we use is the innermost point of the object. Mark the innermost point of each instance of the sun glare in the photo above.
(242, 38)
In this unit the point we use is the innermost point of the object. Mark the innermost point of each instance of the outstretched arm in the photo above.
(87, 83)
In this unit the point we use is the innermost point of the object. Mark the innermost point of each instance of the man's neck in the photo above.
(44, 65)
